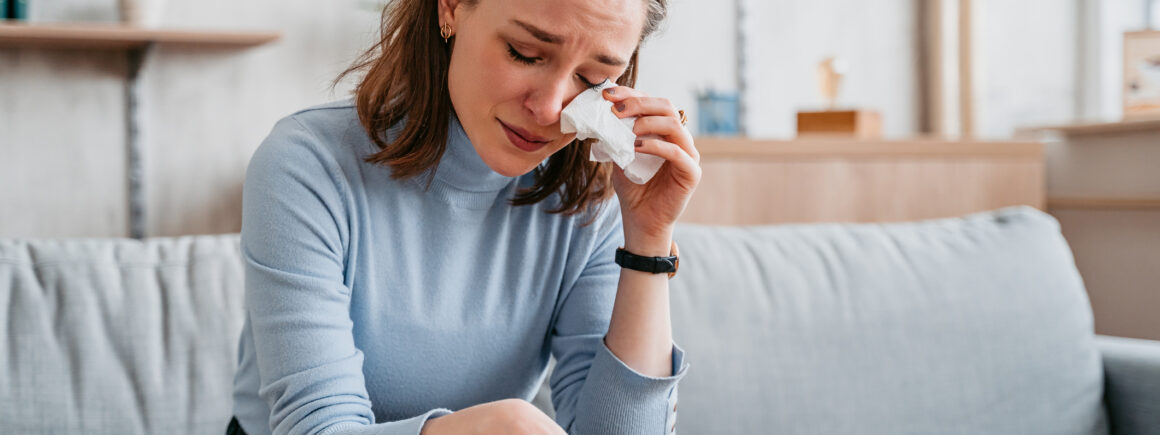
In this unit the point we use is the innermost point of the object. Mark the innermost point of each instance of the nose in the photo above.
(547, 100)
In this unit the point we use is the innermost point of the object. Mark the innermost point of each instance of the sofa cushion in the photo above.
(118, 336)
(973, 325)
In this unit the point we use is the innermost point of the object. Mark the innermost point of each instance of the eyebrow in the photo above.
(548, 37)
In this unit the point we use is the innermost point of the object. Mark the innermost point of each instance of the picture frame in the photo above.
(1142, 74)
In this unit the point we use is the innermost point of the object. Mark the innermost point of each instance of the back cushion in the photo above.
(118, 336)
(974, 325)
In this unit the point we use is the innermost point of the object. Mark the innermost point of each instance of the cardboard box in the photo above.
(861, 124)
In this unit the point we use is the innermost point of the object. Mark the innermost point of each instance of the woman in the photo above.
(427, 247)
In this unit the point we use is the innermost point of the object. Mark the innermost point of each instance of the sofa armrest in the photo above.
(1131, 384)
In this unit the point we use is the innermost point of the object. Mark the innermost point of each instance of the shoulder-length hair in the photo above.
(406, 78)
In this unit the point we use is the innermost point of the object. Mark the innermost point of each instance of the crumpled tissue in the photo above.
(589, 115)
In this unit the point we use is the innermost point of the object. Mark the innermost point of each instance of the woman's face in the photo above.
(517, 63)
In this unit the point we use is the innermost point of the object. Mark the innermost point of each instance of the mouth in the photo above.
(523, 139)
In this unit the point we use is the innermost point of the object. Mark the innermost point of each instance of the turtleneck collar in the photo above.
(462, 168)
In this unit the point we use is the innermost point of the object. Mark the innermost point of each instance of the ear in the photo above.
(447, 10)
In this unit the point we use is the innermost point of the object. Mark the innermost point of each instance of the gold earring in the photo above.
(446, 32)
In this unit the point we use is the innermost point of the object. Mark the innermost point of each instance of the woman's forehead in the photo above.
(616, 22)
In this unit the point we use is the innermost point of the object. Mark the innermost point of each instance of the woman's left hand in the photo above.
(650, 210)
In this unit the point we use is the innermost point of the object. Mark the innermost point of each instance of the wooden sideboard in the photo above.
(750, 182)
(1103, 186)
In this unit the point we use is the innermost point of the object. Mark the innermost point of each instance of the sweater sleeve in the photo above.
(593, 391)
(295, 231)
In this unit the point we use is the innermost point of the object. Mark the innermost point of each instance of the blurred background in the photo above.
(124, 118)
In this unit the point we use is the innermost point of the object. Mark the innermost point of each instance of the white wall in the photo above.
(790, 37)
(1114, 18)
(62, 164)
(1049, 62)
(203, 112)
(787, 39)
(695, 48)
(1025, 64)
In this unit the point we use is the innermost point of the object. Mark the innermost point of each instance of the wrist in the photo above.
(648, 244)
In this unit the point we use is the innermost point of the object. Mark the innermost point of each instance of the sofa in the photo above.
(972, 325)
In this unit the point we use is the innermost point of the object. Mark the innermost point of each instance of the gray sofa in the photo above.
(972, 325)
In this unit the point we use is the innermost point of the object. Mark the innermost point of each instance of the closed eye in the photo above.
(516, 56)
(586, 82)
(521, 58)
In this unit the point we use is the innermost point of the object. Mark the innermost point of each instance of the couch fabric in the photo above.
(973, 325)
(970, 325)
(119, 336)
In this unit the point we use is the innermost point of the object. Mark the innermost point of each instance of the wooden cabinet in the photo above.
(750, 182)
(1103, 184)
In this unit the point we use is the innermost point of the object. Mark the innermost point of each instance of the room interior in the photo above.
(829, 124)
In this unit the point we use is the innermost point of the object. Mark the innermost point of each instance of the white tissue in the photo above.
(589, 115)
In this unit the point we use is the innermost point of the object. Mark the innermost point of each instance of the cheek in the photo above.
(503, 81)
(477, 79)
(486, 81)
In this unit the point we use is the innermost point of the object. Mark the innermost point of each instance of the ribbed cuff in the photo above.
(619, 400)
(410, 426)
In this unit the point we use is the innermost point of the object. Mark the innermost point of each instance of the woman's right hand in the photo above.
(508, 416)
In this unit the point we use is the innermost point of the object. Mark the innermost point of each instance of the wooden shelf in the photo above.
(1103, 203)
(119, 37)
(726, 147)
(1097, 128)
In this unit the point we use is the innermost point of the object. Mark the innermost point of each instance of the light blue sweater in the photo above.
(374, 304)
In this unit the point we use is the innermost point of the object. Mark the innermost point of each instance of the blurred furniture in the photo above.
(749, 182)
(117, 37)
(1142, 75)
(979, 324)
(972, 325)
(1103, 184)
(136, 43)
(119, 336)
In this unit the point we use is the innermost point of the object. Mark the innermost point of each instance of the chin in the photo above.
(513, 162)
(510, 165)
(513, 170)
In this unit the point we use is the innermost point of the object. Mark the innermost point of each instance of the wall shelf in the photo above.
(119, 37)
(135, 43)
(1098, 128)
(1103, 203)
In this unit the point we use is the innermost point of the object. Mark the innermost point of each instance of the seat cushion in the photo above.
(972, 325)
(118, 336)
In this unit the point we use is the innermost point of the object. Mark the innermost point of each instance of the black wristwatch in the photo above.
(667, 265)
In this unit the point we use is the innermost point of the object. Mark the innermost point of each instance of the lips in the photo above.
(523, 139)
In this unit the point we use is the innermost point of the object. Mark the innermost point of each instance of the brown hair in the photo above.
(406, 77)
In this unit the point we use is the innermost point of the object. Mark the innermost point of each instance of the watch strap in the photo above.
(668, 264)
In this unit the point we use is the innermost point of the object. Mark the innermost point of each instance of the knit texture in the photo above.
(374, 304)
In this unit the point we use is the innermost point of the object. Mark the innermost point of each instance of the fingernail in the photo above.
(638, 143)
(619, 107)
(610, 91)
